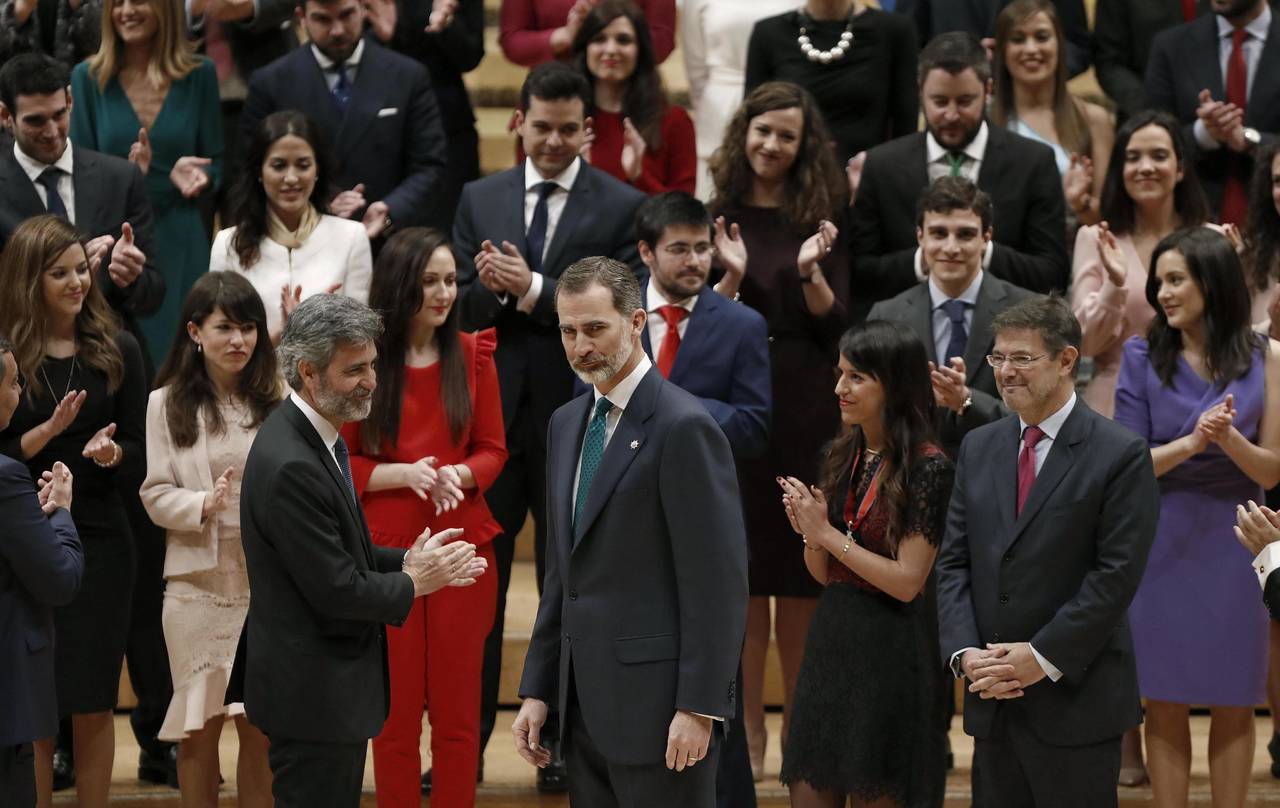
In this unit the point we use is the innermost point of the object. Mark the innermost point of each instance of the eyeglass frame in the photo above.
(1019, 361)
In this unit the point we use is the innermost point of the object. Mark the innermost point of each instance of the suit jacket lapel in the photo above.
(1204, 34)
(697, 332)
(363, 107)
(18, 190)
(1005, 464)
(1266, 79)
(920, 318)
(1060, 460)
(575, 210)
(564, 459)
(990, 295)
(83, 180)
(312, 81)
(644, 333)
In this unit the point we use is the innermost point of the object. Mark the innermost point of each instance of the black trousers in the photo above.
(17, 776)
(1013, 768)
(735, 786)
(316, 775)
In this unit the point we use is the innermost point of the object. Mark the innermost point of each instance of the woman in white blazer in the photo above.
(283, 240)
(217, 385)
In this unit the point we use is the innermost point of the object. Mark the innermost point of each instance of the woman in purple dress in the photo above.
(1204, 389)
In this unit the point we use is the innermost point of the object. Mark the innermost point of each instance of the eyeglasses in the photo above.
(1019, 361)
(701, 251)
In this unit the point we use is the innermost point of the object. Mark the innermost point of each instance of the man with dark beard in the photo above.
(312, 664)
(1020, 176)
(644, 604)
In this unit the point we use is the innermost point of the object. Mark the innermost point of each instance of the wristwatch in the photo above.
(968, 402)
(1252, 137)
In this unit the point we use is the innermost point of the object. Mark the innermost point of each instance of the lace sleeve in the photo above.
(928, 494)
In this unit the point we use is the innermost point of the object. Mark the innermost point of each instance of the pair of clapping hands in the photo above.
(442, 485)
(54, 488)
(101, 447)
(437, 561)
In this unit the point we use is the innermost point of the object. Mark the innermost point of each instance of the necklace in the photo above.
(836, 53)
(70, 375)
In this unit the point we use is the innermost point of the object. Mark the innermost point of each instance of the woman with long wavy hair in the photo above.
(870, 530)
(83, 406)
(433, 443)
(1262, 240)
(778, 194)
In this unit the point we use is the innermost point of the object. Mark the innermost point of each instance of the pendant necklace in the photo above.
(836, 53)
(70, 374)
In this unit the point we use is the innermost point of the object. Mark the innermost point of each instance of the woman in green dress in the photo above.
(145, 95)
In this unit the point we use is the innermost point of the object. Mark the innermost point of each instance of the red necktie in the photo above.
(671, 342)
(1235, 198)
(1027, 463)
(1188, 10)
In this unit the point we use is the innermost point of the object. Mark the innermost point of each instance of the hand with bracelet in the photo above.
(806, 508)
(104, 451)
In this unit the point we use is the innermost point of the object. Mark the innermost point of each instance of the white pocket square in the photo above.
(387, 112)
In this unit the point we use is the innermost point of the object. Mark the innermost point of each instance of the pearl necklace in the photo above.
(826, 57)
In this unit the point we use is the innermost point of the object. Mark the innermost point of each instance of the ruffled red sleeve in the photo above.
(674, 167)
(487, 448)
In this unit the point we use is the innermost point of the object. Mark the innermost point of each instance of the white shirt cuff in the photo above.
(987, 253)
(1267, 561)
(917, 263)
(1204, 140)
(530, 298)
(712, 717)
(954, 664)
(1053, 673)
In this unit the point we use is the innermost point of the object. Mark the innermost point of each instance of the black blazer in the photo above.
(646, 597)
(1030, 215)
(1060, 575)
(109, 191)
(41, 563)
(312, 661)
(1122, 37)
(1184, 61)
(449, 54)
(390, 138)
(1271, 596)
(597, 220)
(914, 309)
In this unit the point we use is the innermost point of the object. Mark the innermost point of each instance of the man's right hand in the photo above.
(55, 488)
(434, 562)
(527, 731)
(988, 670)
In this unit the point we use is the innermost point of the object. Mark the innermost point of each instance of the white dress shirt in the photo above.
(328, 435)
(66, 186)
(937, 166)
(657, 323)
(1266, 562)
(556, 200)
(1252, 49)
(329, 67)
(942, 323)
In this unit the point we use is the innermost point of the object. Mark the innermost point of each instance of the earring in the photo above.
(199, 348)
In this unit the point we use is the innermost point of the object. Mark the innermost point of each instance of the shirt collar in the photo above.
(328, 64)
(1052, 425)
(657, 299)
(935, 152)
(1257, 29)
(35, 168)
(565, 179)
(620, 395)
(325, 429)
(970, 295)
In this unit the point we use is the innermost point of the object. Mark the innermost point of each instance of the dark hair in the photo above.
(895, 357)
(31, 74)
(191, 390)
(1050, 316)
(816, 185)
(555, 81)
(249, 197)
(1215, 269)
(613, 275)
(1188, 199)
(1262, 232)
(671, 209)
(954, 52)
(645, 101)
(396, 294)
(946, 194)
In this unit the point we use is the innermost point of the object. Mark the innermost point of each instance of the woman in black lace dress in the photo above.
(862, 727)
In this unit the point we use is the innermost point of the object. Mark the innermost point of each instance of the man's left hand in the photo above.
(949, 389)
(127, 260)
(1256, 526)
(510, 269)
(1026, 668)
(688, 740)
(376, 218)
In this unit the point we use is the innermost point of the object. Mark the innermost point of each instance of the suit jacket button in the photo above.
(566, 638)
(573, 594)
(1004, 598)
(994, 638)
(1008, 557)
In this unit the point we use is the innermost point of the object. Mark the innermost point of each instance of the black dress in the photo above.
(90, 632)
(864, 721)
(867, 97)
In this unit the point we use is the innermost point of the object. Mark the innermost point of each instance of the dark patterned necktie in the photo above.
(53, 200)
(592, 453)
(341, 454)
(342, 90)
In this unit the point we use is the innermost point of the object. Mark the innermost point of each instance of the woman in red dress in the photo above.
(431, 446)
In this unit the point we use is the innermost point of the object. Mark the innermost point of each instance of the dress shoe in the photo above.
(159, 765)
(64, 770)
(426, 778)
(1273, 748)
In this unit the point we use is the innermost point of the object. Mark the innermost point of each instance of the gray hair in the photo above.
(316, 329)
(613, 275)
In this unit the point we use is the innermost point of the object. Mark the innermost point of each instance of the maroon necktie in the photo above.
(1027, 463)
(1235, 198)
(671, 342)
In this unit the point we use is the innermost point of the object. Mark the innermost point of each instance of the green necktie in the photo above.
(592, 452)
(956, 161)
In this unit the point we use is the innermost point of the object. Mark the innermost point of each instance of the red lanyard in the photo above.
(868, 499)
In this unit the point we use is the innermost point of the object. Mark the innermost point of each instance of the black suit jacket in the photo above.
(645, 599)
(1030, 214)
(1060, 575)
(1184, 61)
(390, 137)
(41, 563)
(312, 661)
(109, 191)
(978, 17)
(597, 220)
(914, 309)
(1271, 596)
(1122, 37)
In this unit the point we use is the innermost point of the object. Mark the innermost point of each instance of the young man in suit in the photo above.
(41, 562)
(376, 105)
(1018, 174)
(514, 234)
(1051, 519)
(643, 609)
(311, 668)
(1122, 35)
(1220, 76)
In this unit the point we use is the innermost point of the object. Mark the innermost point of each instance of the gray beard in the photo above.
(342, 408)
(610, 368)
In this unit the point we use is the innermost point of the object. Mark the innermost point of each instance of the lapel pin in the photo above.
(635, 444)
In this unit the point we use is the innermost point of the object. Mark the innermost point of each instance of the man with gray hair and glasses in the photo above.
(312, 664)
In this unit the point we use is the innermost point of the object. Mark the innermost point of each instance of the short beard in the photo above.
(339, 407)
(969, 136)
(612, 364)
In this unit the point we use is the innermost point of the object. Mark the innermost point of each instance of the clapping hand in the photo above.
(382, 16)
(732, 250)
(1215, 423)
(127, 261)
(64, 414)
(102, 448)
(290, 298)
(442, 12)
(216, 500)
(1077, 183)
(97, 249)
(436, 561)
(1256, 526)
(806, 507)
(420, 476)
(588, 140)
(1236, 238)
(503, 270)
(1221, 118)
(633, 150)
(189, 176)
(949, 388)
(346, 204)
(376, 218)
(816, 247)
(1109, 253)
(447, 492)
(54, 489)
(140, 152)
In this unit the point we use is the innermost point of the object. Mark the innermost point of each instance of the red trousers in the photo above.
(435, 658)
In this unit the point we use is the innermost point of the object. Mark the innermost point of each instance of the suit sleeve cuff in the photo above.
(1048, 667)
(530, 298)
(712, 717)
(1267, 561)
(1203, 139)
(954, 664)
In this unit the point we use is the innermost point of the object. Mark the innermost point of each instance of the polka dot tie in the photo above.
(592, 452)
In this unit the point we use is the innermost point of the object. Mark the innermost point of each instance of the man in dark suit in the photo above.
(1051, 519)
(978, 17)
(312, 664)
(41, 562)
(1220, 76)
(513, 235)
(376, 105)
(643, 608)
(1018, 174)
(1122, 35)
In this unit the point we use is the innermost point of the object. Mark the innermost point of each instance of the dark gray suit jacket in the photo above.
(1122, 37)
(645, 598)
(1060, 575)
(914, 309)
